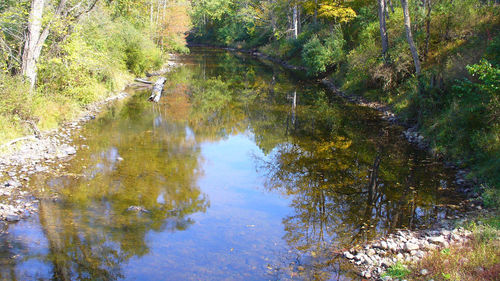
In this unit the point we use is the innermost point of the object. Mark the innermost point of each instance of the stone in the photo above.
(370, 252)
(13, 183)
(385, 262)
(12, 218)
(437, 240)
(424, 272)
(410, 246)
(137, 209)
(366, 274)
(348, 255)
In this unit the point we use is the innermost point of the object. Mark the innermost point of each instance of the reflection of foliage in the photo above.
(348, 176)
(158, 172)
(210, 96)
(341, 182)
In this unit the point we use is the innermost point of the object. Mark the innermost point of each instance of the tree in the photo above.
(32, 47)
(65, 10)
(409, 36)
(383, 29)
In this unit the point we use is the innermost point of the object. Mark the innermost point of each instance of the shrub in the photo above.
(318, 54)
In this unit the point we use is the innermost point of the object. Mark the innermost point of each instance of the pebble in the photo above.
(404, 246)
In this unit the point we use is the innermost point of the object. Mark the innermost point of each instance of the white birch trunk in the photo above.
(409, 36)
(31, 50)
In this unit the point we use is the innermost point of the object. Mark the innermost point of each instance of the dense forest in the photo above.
(59, 56)
(436, 63)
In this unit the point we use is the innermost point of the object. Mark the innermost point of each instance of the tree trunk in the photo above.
(295, 22)
(30, 56)
(383, 28)
(409, 36)
(390, 5)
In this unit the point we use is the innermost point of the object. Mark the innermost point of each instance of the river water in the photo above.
(242, 172)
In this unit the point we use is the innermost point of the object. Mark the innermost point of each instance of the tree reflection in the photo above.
(343, 185)
(91, 231)
(348, 177)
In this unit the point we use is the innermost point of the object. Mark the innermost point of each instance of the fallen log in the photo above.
(157, 89)
(143, 81)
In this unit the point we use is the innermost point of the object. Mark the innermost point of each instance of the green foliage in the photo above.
(397, 270)
(318, 54)
(210, 96)
(491, 197)
(15, 98)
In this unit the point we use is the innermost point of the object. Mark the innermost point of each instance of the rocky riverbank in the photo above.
(403, 246)
(31, 155)
(21, 158)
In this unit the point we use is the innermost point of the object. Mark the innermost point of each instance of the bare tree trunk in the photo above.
(34, 43)
(295, 22)
(151, 12)
(383, 28)
(390, 5)
(409, 36)
(30, 58)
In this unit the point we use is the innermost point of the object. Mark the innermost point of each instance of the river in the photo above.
(243, 171)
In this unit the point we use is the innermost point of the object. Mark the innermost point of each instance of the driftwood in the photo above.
(157, 89)
(144, 81)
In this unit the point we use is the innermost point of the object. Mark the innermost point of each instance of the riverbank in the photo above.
(32, 155)
(46, 154)
(378, 257)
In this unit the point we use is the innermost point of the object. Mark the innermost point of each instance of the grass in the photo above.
(397, 270)
(477, 259)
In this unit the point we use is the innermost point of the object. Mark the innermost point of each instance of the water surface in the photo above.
(242, 172)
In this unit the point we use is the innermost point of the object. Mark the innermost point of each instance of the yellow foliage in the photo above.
(336, 12)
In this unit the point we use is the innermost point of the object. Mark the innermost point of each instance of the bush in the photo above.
(318, 55)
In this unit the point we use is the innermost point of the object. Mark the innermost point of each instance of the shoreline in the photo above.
(373, 258)
(40, 155)
(48, 154)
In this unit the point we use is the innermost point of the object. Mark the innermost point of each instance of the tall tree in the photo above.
(383, 28)
(36, 37)
(32, 45)
(409, 36)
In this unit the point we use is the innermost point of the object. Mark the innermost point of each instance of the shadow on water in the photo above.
(241, 172)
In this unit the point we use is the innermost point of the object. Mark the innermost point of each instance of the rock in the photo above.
(370, 252)
(348, 255)
(69, 149)
(439, 240)
(13, 183)
(385, 262)
(424, 272)
(366, 274)
(410, 246)
(137, 209)
(12, 218)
